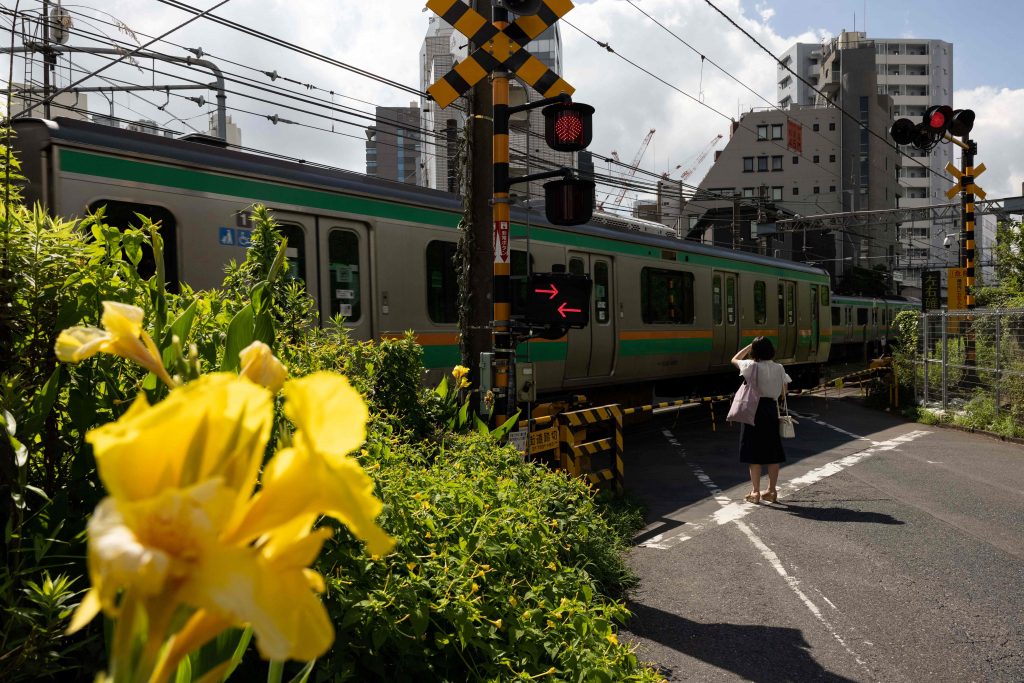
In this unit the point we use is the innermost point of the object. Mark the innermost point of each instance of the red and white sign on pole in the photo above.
(501, 241)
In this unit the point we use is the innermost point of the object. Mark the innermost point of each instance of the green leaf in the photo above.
(43, 403)
(500, 432)
(279, 260)
(184, 673)
(463, 415)
(240, 335)
(442, 388)
(481, 426)
(182, 325)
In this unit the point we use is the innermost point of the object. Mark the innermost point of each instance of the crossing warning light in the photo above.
(938, 118)
(568, 127)
(962, 123)
(903, 132)
(569, 201)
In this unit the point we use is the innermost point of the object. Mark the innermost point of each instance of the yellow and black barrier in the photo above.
(565, 437)
(667, 406)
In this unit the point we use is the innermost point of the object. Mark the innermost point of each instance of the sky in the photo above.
(687, 110)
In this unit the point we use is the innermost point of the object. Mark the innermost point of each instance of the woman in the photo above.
(761, 444)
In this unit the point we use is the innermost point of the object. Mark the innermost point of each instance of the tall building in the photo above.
(232, 134)
(916, 73)
(442, 127)
(442, 48)
(394, 148)
(806, 158)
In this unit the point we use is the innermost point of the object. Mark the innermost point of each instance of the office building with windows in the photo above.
(916, 73)
(801, 160)
(394, 145)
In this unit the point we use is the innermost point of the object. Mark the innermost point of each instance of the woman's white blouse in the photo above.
(771, 377)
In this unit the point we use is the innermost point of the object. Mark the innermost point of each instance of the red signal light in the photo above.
(938, 118)
(568, 127)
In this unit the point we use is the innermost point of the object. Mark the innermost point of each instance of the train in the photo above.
(666, 315)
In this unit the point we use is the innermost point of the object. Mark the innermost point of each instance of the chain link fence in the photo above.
(970, 364)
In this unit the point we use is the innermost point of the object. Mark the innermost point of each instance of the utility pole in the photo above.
(47, 59)
(476, 332)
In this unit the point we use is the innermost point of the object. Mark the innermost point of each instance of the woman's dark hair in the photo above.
(762, 349)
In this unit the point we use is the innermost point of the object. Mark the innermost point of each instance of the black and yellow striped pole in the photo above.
(502, 288)
(967, 188)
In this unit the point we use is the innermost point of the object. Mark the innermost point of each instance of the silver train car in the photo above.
(666, 315)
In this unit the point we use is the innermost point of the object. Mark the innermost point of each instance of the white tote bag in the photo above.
(786, 421)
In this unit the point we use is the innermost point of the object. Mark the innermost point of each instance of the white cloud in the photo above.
(999, 136)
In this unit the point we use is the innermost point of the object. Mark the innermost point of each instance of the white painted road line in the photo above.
(734, 511)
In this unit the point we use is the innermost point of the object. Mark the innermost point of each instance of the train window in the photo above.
(121, 215)
(862, 316)
(874, 316)
(666, 296)
(836, 318)
(343, 263)
(442, 283)
(760, 303)
(576, 266)
(716, 299)
(782, 305)
(730, 300)
(824, 296)
(295, 252)
(601, 292)
(849, 315)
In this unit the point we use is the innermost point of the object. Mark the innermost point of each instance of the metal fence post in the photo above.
(925, 322)
(945, 358)
(998, 380)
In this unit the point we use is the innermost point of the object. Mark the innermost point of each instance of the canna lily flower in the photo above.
(460, 371)
(122, 335)
(316, 474)
(181, 528)
(260, 366)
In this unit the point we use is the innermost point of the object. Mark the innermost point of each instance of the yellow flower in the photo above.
(122, 336)
(463, 383)
(260, 366)
(612, 638)
(181, 527)
(316, 475)
(215, 426)
(460, 371)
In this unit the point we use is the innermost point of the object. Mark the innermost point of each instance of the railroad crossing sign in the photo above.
(501, 49)
(958, 174)
(560, 299)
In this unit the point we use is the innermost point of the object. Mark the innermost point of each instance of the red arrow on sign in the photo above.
(562, 310)
(553, 292)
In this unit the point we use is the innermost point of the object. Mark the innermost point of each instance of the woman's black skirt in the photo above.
(761, 444)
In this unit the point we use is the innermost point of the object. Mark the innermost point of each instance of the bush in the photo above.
(502, 572)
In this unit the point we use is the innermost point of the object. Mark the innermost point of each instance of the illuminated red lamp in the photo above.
(938, 118)
(568, 127)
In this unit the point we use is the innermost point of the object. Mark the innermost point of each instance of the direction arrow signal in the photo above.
(553, 291)
(562, 310)
(500, 49)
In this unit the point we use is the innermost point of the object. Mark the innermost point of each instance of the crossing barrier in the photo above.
(577, 438)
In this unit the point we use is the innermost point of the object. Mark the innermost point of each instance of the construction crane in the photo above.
(632, 168)
(688, 170)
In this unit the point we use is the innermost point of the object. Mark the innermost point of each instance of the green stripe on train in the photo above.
(650, 347)
(74, 161)
(441, 356)
(104, 166)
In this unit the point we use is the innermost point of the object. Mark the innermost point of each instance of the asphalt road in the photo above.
(895, 552)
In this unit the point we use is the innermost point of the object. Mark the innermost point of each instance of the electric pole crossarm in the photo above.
(206, 64)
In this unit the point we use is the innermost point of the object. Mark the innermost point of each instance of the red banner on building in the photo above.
(795, 136)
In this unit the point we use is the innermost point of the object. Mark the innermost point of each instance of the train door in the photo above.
(344, 275)
(725, 316)
(787, 319)
(815, 320)
(591, 351)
